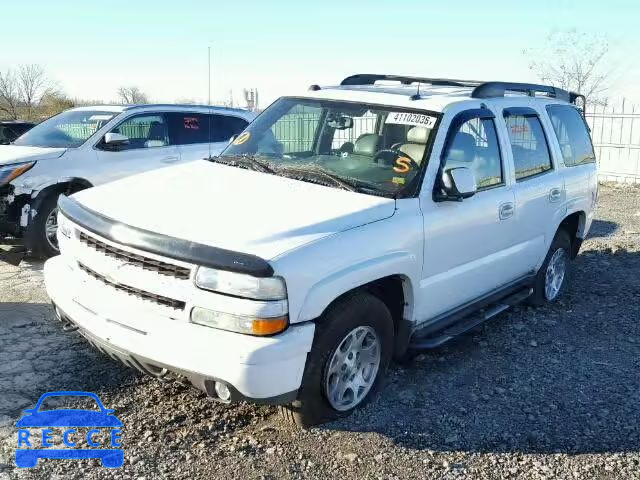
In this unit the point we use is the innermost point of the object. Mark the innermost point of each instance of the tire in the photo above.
(359, 317)
(560, 247)
(36, 238)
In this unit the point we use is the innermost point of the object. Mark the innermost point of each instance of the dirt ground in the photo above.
(550, 393)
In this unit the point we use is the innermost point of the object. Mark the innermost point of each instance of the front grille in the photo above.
(146, 263)
(136, 292)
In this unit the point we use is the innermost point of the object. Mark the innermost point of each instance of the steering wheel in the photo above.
(394, 154)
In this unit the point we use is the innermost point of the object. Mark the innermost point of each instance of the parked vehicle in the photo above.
(10, 130)
(342, 228)
(88, 146)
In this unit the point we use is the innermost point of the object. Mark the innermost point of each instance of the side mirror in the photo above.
(458, 183)
(115, 140)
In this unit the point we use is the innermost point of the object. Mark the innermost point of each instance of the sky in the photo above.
(281, 47)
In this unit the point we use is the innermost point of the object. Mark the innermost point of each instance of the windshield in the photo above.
(370, 148)
(69, 129)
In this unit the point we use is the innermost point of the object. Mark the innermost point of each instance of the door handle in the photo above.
(506, 210)
(555, 194)
(170, 159)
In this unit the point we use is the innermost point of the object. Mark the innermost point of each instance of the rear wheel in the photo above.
(553, 276)
(351, 351)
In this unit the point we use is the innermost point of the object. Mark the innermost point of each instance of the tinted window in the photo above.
(223, 127)
(475, 146)
(187, 128)
(144, 131)
(572, 134)
(528, 144)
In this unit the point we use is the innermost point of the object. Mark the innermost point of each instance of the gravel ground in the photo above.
(546, 393)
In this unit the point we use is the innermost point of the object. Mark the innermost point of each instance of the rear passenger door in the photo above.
(190, 132)
(539, 185)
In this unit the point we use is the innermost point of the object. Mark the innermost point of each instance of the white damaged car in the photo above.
(89, 146)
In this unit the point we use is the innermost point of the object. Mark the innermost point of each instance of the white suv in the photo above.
(89, 146)
(342, 228)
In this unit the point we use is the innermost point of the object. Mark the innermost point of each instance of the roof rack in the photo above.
(371, 78)
(480, 90)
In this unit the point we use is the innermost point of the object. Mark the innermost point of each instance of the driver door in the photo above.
(149, 147)
(470, 245)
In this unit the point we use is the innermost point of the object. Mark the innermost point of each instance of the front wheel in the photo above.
(553, 276)
(41, 235)
(351, 351)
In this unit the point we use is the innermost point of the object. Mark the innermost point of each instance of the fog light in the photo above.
(222, 391)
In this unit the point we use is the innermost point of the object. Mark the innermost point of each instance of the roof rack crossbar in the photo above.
(372, 78)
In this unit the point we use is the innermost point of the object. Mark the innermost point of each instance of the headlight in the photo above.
(239, 323)
(240, 285)
(9, 172)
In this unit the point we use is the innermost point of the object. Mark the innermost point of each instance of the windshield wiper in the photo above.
(245, 160)
(336, 179)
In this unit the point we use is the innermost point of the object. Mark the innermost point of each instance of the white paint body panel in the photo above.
(325, 241)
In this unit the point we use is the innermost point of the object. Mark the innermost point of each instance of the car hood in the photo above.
(16, 153)
(234, 208)
(69, 418)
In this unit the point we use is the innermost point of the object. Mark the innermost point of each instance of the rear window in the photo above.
(529, 145)
(572, 134)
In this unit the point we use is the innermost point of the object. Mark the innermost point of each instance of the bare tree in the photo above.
(9, 95)
(53, 103)
(574, 61)
(131, 95)
(33, 85)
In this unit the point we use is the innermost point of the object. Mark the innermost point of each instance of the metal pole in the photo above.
(209, 68)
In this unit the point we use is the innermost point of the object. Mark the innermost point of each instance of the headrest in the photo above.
(463, 148)
(418, 135)
(366, 144)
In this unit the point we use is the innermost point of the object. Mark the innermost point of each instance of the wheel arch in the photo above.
(65, 186)
(574, 224)
(396, 292)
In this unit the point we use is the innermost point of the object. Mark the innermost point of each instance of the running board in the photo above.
(470, 322)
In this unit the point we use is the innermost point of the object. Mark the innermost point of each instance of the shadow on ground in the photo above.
(558, 379)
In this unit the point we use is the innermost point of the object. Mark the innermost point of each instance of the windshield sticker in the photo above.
(242, 138)
(418, 119)
(191, 123)
(403, 165)
(95, 118)
(398, 180)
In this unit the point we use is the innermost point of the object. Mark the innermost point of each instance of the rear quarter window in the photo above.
(572, 134)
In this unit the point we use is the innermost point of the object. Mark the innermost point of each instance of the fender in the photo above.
(325, 291)
(62, 184)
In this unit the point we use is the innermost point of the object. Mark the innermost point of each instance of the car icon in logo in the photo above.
(68, 419)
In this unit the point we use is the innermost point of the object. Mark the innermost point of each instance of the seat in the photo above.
(417, 138)
(366, 144)
(157, 135)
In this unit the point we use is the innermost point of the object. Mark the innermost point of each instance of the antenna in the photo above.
(417, 94)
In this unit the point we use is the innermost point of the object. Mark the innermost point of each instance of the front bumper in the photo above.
(258, 369)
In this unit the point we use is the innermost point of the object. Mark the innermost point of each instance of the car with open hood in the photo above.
(345, 226)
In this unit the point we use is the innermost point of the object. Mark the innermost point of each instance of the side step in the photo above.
(469, 323)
